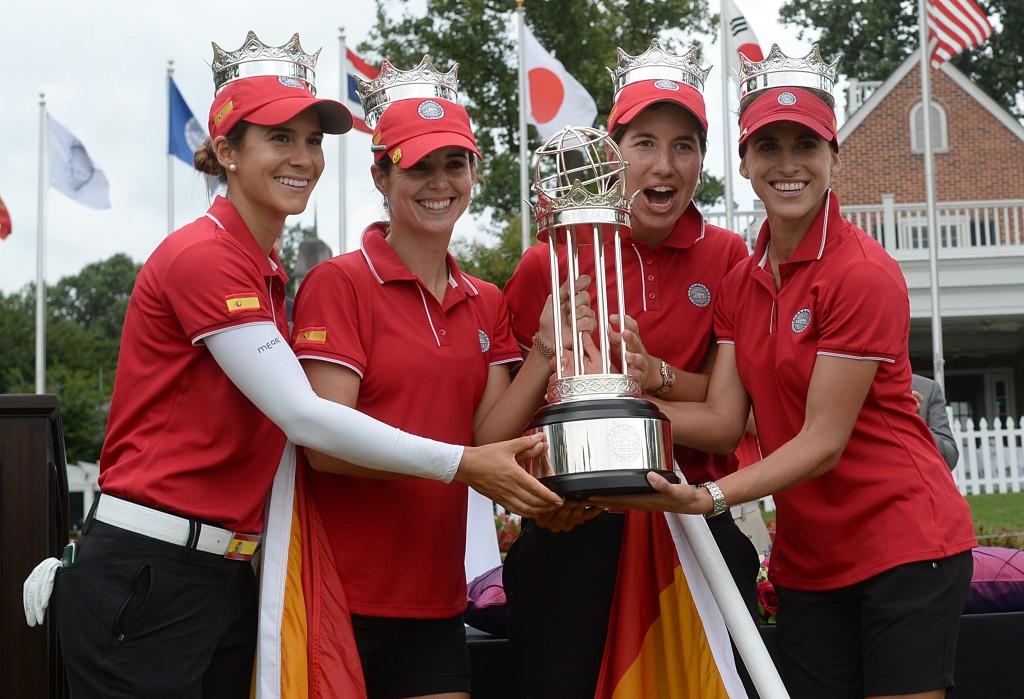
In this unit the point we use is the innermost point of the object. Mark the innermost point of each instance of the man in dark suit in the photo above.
(931, 405)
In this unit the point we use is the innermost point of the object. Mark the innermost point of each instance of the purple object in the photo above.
(487, 608)
(998, 581)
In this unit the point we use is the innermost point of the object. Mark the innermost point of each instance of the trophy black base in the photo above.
(580, 486)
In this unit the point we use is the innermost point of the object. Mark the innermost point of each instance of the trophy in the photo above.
(602, 436)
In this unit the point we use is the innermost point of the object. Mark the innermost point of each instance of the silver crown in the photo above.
(392, 85)
(779, 70)
(658, 64)
(254, 58)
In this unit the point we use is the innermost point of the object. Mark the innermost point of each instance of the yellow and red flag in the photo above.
(306, 646)
(666, 636)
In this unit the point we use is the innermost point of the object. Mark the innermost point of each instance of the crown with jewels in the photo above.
(658, 64)
(392, 85)
(254, 58)
(779, 70)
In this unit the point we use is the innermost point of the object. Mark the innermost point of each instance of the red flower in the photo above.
(767, 601)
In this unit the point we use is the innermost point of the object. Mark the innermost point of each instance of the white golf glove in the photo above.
(37, 589)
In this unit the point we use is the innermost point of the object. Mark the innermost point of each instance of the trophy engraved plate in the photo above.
(602, 436)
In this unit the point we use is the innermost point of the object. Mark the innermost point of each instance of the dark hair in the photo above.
(619, 132)
(205, 159)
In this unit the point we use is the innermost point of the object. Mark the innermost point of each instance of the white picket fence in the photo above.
(991, 457)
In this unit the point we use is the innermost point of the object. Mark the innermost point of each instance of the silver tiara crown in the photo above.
(779, 70)
(254, 58)
(658, 64)
(392, 85)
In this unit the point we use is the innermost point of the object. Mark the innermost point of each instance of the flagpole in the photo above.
(342, 242)
(170, 157)
(524, 146)
(41, 255)
(726, 121)
(938, 361)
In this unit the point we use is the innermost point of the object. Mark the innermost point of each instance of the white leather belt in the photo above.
(174, 529)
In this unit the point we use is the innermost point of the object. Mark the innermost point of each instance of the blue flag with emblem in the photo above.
(185, 134)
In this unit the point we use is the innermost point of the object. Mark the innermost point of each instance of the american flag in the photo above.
(953, 27)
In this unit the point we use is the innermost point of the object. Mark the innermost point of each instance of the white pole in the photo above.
(524, 146)
(741, 627)
(170, 158)
(342, 241)
(726, 121)
(938, 361)
(41, 254)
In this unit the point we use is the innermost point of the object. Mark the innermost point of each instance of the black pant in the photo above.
(142, 618)
(559, 588)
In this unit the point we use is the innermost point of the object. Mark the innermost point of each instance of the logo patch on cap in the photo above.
(699, 295)
(396, 156)
(290, 82)
(666, 85)
(787, 99)
(485, 342)
(223, 113)
(801, 320)
(430, 109)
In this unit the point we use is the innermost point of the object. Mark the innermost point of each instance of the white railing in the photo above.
(966, 229)
(991, 457)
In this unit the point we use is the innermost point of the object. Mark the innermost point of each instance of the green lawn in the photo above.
(998, 519)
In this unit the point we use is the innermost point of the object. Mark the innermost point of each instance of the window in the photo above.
(940, 135)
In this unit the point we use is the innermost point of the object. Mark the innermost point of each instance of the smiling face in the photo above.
(790, 168)
(430, 196)
(276, 168)
(663, 148)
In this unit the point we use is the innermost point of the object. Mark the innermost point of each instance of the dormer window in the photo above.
(940, 134)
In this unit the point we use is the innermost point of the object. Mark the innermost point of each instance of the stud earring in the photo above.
(232, 167)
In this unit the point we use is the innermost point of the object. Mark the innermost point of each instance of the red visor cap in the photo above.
(638, 96)
(271, 100)
(789, 104)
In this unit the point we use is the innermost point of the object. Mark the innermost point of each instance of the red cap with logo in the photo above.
(789, 104)
(638, 96)
(411, 129)
(271, 100)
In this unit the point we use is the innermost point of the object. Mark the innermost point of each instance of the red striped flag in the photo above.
(5, 221)
(354, 66)
(953, 27)
(666, 635)
(306, 644)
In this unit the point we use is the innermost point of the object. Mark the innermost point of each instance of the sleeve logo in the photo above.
(312, 335)
(239, 303)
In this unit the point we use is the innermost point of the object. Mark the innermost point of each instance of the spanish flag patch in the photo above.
(315, 335)
(239, 303)
(224, 111)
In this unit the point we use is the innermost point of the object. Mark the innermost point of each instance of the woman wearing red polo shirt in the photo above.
(872, 555)
(397, 331)
(161, 599)
(673, 266)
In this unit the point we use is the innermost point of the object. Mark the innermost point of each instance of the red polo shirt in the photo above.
(670, 290)
(891, 499)
(399, 544)
(181, 437)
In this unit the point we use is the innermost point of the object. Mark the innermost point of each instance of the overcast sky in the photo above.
(103, 67)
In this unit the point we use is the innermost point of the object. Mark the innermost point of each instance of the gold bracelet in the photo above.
(668, 379)
(542, 347)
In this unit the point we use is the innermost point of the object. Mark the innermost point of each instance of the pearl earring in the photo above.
(232, 167)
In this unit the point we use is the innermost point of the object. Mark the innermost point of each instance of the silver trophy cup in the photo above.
(602, 436)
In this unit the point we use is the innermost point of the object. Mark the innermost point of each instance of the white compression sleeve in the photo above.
(259, 361)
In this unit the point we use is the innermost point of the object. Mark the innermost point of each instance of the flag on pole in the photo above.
(186, 134)
(741, 38)
(354, 66)
(666, 635)
(5, 220)
(554, 99)
(953, 27)
(71, 168)
(306, 646)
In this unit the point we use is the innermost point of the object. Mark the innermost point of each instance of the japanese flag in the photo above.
(741, 38)
(554, 99)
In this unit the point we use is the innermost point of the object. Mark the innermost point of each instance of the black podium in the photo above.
(33, 525)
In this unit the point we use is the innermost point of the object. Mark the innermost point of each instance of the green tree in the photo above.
(479, 36)
(875, 37)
